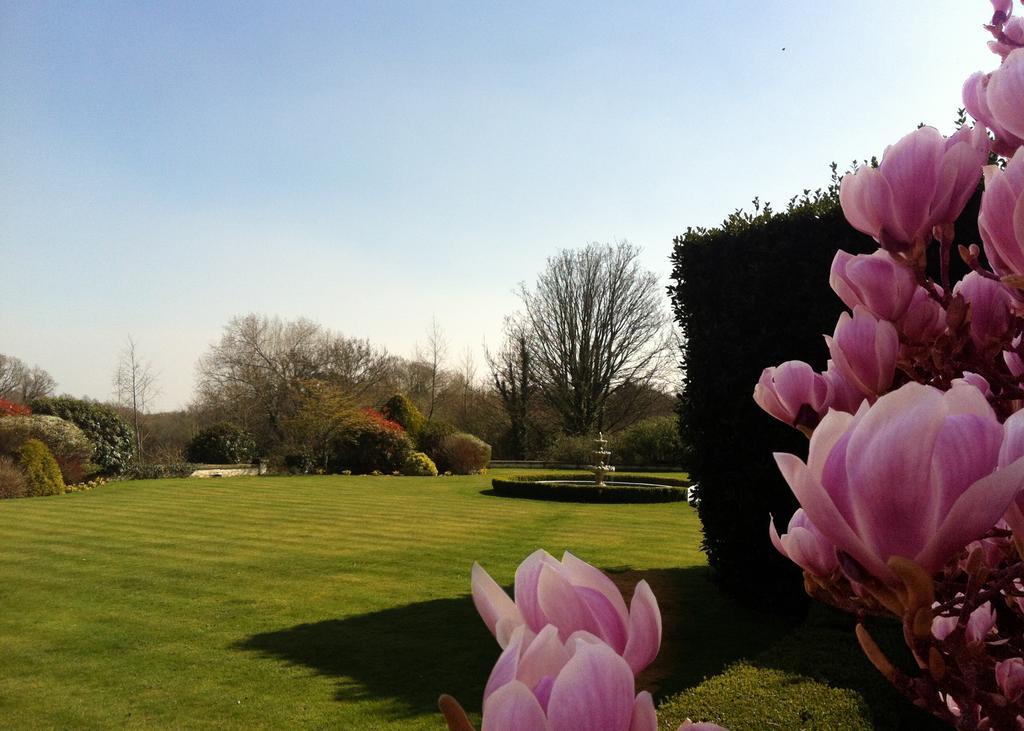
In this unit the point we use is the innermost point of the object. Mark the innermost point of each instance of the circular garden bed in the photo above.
(621, 488)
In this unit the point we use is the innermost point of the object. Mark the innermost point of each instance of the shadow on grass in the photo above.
(412, 654)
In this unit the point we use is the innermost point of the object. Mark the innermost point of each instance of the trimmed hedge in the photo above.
(661, 489)
(750, 294)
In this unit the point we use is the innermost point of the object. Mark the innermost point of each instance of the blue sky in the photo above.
(371, 165)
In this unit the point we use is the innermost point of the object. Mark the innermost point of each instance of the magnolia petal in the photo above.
(505, 669)
(644, 716)
(492, 602)
(580, 573)
(593, 691)
(974, 513)
(527, 576)
(513, 707)
(822, 511)
(544, 657)
(561, 605)
(644, 628)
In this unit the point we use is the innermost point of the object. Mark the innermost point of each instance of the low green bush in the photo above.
(465, 454)
(12, 480)
(418, 464)
(222, 443)
(41, 471)
(746, 698)
(557, 487)
(159, 471)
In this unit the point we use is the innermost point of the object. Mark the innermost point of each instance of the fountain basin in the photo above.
(625, 488)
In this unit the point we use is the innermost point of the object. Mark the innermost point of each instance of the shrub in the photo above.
(159, 471)
(402, 411)
(66, 442)
(371, 444)
(41, 471)
(649, 442)
(726, 297)
(418, 464)
(9, 408)
(12, 479)
(222, 443)
(574, 450)
(429, 440)
(111, 437)
(465, 454)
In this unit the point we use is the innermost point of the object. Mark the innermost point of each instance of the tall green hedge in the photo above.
(749, 294)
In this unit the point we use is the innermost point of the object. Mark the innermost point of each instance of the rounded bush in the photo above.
(110, 436)
(67, 443)
(429, 440)
(418, 464)
(13, 482)
(465, 454)
(372, 444)
(222, 443)
(653, 441)
(557, 487)
(402, 411)
(40, 468)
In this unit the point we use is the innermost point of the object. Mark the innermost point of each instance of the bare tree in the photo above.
(22, 384)
(514, 380)
(598, 327)
(254, 374)
(134, 388)
(434, 356)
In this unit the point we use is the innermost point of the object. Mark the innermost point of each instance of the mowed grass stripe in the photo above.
(320, 602)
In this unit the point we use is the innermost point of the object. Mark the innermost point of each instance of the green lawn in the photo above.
(314, 602)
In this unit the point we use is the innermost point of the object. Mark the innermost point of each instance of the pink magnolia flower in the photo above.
(924, 180)
(979, 624)
(864, 349)
(793, 393)
(914, 475)
(845, 396)
(540, 682)
(877, 281)
(1001, 221)
(1013, 361)
(804, 545)
(1011, 452)
(991, 308)
(1010, 678)
(1007, 31)
(573, 596)
(924, 319)
(973, 379)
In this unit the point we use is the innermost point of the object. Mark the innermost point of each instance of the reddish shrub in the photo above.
(9, 408)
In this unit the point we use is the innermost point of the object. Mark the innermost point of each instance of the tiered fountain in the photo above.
(600, 455)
